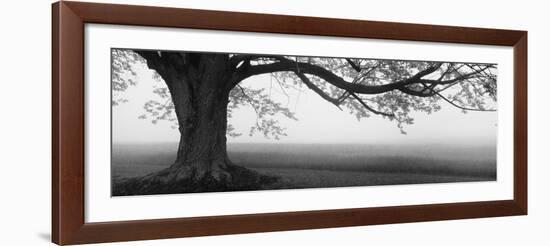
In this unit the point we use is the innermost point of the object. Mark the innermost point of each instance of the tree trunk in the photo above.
(200, 96)
(202, 148)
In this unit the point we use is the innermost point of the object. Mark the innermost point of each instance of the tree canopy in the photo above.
(391, 89)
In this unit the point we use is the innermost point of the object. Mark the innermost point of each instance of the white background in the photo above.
(100, 207)
(25, 127)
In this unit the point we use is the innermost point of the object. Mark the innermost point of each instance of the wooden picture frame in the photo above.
(68, 126)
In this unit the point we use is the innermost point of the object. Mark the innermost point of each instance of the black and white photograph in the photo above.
(189, 121)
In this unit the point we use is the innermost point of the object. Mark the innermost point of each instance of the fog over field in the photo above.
(331, 165)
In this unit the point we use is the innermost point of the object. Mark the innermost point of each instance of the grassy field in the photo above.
(319, 165)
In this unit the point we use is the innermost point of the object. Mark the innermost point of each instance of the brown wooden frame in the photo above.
(68, 224)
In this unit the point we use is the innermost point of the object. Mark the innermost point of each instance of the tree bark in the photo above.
(202, 148)
(200, 95)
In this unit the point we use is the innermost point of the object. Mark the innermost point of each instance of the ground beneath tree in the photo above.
(291, 178)
(277, 166)
(163, 182)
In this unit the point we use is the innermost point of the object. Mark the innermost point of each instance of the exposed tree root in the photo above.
(199, 176)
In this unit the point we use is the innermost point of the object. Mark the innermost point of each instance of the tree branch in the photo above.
(317, 90)
(353, 65)
(251, 102)
(450, 81)
(285, 64)
(433, 92)
(464, 108)
(430, 90)
(369, 108)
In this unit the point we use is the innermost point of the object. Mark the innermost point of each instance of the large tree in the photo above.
(203, 89)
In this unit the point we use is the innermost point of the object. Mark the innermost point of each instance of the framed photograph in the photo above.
(174, 122)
